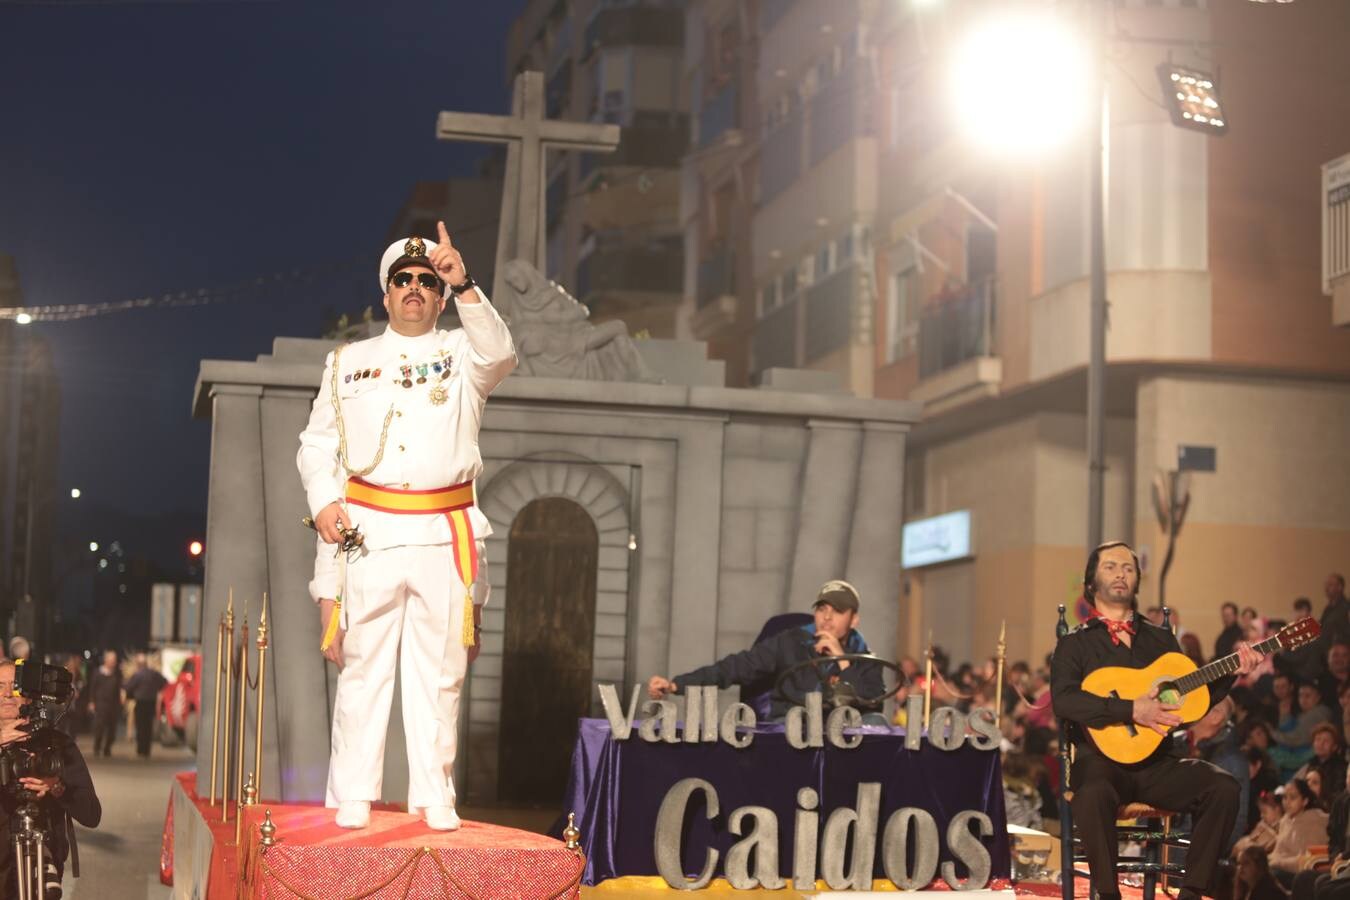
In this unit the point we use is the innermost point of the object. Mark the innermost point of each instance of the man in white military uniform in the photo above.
(391, 450)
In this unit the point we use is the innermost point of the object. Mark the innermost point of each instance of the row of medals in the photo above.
(418, 373)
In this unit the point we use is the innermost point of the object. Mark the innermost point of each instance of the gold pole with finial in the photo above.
(928, 681)
(247, 798)
(243, 706)
(572, 834)
(268, 831)
(262, 693)
(215, 707)
(998, 685)
(229, 708)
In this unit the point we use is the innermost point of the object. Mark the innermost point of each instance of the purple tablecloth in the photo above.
(616, 788)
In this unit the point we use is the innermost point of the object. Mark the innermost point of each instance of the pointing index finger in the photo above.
(444, 235)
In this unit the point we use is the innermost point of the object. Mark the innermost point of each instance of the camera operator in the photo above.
(71, 793)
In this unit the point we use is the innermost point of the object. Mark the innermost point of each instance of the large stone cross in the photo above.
(527, 134)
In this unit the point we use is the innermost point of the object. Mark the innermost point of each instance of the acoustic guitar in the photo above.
(1178, 681)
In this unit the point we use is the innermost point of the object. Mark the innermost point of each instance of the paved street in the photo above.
(120, 859)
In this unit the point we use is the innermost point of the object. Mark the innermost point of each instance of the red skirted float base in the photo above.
(396, 857)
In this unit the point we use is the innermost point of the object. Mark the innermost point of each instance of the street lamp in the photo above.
(1020, 83)
(1192, 98)
(1040, 81)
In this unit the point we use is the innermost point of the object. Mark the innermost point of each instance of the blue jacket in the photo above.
(780, 652)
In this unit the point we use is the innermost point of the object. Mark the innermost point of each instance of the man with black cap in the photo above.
(833, 633)
(388, 461)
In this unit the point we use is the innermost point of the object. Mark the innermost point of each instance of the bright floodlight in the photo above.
(23, 319)
(1022, 83)
(195, 548)
(74, 493)
(93, 546)
(1192, 98)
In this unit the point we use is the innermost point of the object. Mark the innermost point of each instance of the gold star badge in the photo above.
(438, 395)
(415, 246)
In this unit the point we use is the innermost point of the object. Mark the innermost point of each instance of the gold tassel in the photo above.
(466, 634)
(330, 633)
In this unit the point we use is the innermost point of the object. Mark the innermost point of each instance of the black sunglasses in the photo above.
(425, 279)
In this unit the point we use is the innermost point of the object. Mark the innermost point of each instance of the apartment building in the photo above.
(612, 229)
(1223, 355)
(718, 178)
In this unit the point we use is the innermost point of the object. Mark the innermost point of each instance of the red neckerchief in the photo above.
(1114, 628)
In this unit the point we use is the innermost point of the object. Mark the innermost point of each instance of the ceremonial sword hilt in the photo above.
(352, 538)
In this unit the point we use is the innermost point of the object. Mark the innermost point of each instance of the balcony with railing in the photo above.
(653, 140)
(634, 26)
(958, 361)
(721, 112)
(716, 275)
(615, 266)
(829, 312)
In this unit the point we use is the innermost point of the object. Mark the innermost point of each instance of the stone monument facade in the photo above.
(712, 509)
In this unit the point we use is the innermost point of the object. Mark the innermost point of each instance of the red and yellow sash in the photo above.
(453, 502)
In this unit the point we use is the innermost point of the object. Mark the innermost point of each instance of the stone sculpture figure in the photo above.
(554, 337)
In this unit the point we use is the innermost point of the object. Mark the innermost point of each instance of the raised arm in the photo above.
(492, 352)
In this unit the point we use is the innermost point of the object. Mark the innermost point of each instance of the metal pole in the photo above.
(262, 693)
(928, 682)
(1097, 143)
(243, 709)
(28, 538)
(998, 684)
(215, 708)
(229, 696)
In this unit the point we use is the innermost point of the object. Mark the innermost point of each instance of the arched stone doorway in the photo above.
(604, 492)
(547, 648)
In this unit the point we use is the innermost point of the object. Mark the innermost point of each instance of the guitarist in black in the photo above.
(1117, 635)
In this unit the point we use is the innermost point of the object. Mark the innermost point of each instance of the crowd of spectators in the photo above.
(1282, 732)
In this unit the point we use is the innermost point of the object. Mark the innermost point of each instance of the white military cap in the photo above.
(408, 252)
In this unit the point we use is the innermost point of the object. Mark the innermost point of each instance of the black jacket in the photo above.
(778, 653)
(1335, 623)
(1227, 640)
(78, 800)
(1088, 648)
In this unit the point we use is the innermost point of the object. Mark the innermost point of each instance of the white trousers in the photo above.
(412, 596)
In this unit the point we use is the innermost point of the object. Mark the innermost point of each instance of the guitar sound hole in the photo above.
(1169, 693)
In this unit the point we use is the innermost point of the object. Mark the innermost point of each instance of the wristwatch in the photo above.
(467, 284)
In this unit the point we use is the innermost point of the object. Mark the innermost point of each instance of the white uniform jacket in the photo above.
(429, 444)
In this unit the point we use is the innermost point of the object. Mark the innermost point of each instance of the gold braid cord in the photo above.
(413, 862)
(342, 429)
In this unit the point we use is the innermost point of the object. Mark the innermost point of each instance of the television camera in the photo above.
(46, 692)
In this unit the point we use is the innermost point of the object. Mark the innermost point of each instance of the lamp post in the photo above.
(1028, 73)
(1098, 144)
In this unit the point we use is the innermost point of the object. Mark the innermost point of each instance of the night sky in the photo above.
(157, 147)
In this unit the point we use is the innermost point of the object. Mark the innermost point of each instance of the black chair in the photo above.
(1157, 837)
